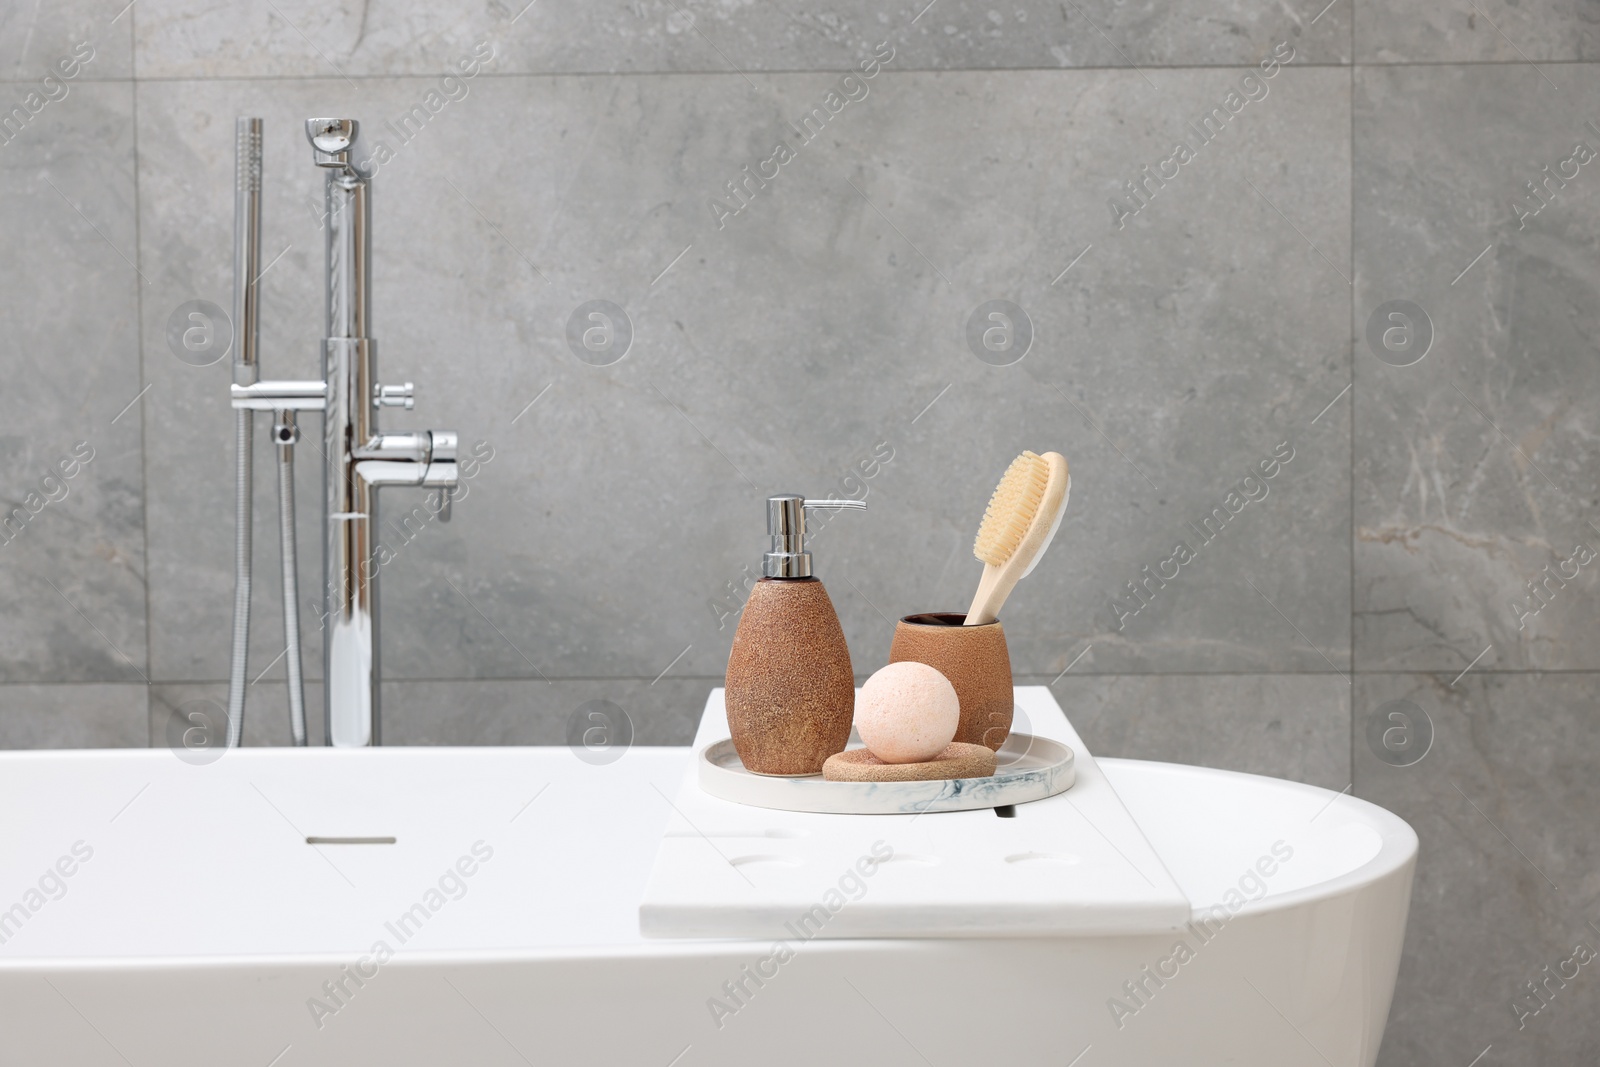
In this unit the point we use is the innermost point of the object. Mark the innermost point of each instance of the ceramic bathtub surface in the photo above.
(502, 848)
(1075, 863)
(197, 926)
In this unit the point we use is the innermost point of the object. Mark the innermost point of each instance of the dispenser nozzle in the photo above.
(786, 524)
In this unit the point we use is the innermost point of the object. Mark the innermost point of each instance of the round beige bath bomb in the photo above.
(907, 713)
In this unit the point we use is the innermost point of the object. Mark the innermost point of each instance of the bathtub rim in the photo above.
(1396, 855)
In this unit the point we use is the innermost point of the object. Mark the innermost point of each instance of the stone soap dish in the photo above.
(956, 761)
(1029, 768)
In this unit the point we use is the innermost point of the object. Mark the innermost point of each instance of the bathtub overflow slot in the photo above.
(350, 840)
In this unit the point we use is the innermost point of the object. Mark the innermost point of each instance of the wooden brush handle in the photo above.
(995, 585)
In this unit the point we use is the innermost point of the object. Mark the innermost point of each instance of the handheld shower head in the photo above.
(246, 247)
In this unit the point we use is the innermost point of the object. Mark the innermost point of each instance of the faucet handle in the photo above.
(394, 396)
(331, 140)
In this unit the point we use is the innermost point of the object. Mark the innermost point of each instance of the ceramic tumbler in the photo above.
(975, 660)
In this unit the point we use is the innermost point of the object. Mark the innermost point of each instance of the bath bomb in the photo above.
(907, 713)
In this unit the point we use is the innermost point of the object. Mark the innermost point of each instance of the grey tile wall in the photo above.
(811, 335)
(66, 40)
(1506, 31)
(73, 715)
(1503, 805)
(203, 38)
(1288, 725)
(1476, 467)
(72, 538)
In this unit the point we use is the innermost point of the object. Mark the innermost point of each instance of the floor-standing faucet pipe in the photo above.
(243, 432)
(350, 642)
(359, 459)
(285, 433)
(247, 335)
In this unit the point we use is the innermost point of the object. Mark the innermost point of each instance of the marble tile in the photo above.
(1282, 725)
(204, 38)
(1502, 803)
(72, 716)
(809, 337)
(194, 715)
(541, 713)
(1286, 726)
(72, 548)
(1475, 467)
(1505, 31)
(92, 38)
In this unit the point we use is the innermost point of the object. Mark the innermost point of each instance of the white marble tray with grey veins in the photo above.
(1027, 768)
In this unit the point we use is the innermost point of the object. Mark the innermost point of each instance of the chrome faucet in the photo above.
(358, 458)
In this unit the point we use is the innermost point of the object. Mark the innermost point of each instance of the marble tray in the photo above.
(1030, 768)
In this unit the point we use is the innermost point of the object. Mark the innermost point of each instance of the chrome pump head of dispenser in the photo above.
(786, 523)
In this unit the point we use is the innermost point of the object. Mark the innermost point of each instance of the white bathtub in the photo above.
(197, 926)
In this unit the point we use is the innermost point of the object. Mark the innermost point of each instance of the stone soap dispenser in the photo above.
(791, 693)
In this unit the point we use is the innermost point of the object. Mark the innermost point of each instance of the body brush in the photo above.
(1018, 526)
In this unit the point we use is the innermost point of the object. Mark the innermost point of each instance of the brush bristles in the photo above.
(1011, 510)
